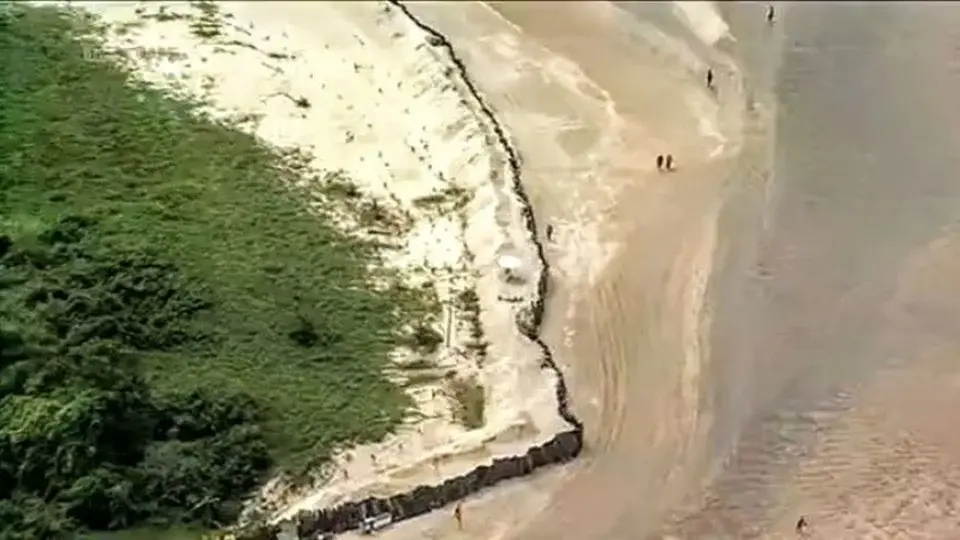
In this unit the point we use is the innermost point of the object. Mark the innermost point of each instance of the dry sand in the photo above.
(358, 89)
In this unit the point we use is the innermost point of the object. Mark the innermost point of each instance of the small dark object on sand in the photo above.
(770, 13)
(659, 162)
(669, 162)
(458, 515)
(550, 232)
(710, 79)
(802, 525)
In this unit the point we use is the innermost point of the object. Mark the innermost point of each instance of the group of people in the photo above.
(664, 163)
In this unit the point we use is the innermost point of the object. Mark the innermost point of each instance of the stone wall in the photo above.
(562, 448)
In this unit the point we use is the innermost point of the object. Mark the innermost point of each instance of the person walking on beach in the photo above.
(668, 163)
(802, 526)
(659, 162)
(769, 13)
(549, 233)
(710, 78)
(458, 515)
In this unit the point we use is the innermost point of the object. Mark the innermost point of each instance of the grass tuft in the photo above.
(470, 402)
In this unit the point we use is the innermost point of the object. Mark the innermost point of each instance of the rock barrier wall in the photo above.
(564, 447)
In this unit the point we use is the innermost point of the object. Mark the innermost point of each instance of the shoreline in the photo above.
(510, 305)
(628, 330)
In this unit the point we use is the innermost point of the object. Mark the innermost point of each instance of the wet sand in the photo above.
(845, 316)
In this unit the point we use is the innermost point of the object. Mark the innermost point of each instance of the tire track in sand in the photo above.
(628, 350)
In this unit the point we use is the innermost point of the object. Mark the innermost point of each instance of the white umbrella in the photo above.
(509, 262)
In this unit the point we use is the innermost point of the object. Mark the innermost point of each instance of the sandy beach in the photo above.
(761, 333)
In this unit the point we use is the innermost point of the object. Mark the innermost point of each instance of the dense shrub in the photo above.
(84, 444)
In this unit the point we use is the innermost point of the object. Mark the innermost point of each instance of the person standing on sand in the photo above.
(710, 78)
(802, 526)
(668, 164)
(549, 233)
(769, 13)
(458, 515)
(659, 162)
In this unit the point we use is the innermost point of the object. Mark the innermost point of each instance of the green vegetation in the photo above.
(207, 25)
(84, 443)
(172, 321)
(425, 338)
(451, 197)
(470, 402)
(469, 303)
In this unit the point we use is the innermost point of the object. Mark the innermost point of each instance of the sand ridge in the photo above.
(364, 97)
